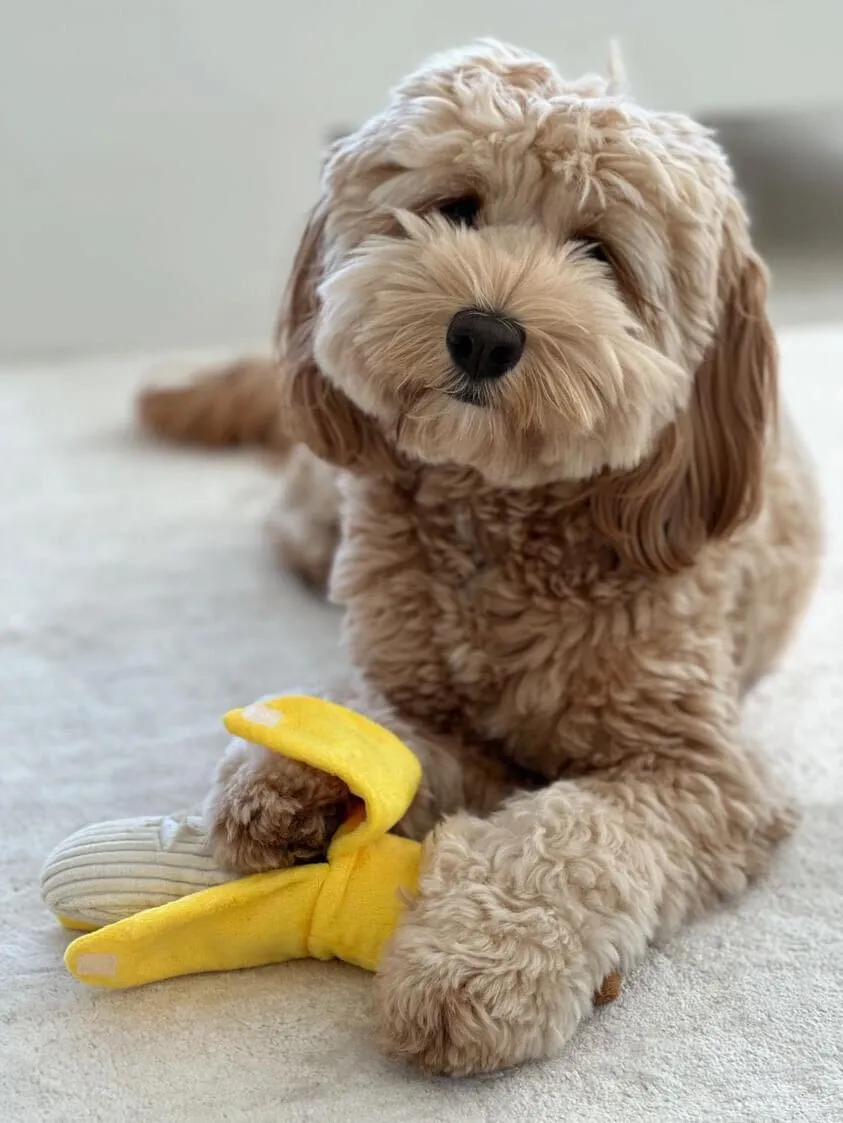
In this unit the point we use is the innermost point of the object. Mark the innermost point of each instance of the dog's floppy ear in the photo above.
(316, 412)
(706, 475)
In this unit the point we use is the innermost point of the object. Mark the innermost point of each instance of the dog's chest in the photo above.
(481, 611)
(501, 600)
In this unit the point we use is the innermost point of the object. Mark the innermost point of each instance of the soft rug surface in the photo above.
(138, 602)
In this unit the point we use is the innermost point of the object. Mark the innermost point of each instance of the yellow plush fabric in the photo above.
(346, 907)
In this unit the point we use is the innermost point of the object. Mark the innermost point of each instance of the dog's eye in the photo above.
(596, 250)
(461, 212)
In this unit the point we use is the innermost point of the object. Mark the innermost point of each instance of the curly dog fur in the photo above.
(558, 582)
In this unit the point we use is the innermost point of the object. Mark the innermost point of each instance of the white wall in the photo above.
(156, 156)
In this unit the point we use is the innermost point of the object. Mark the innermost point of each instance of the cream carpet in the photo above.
(137, 603)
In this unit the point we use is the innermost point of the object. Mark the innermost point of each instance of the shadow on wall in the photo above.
(791, 170)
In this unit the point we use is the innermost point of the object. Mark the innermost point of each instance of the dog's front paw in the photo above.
(486, 969)
(268, 812)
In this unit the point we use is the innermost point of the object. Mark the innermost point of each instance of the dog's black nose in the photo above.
(484, 345)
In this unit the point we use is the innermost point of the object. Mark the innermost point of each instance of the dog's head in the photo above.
(543, 282)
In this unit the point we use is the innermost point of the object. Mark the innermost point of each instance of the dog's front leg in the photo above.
(265, 811)
(519, 916)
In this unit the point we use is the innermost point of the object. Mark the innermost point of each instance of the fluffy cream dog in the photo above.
(527, 323)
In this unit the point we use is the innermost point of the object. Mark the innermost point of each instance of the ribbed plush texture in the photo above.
(138, 603)
(111, 870)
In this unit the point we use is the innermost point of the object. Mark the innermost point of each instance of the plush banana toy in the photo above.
(155, 906)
